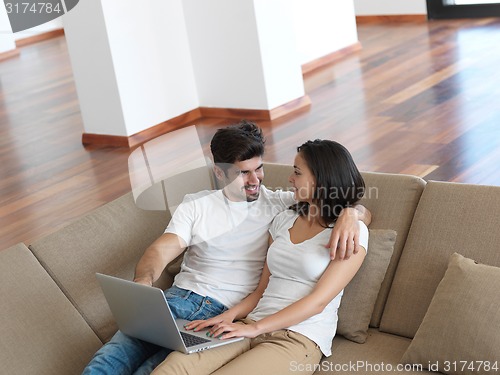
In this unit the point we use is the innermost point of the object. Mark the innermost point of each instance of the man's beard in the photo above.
(255, 196)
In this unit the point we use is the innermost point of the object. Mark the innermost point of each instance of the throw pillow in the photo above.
(460, 333)
(361, 293)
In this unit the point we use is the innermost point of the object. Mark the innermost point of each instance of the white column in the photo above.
(243, 52)
(131, 62)
(280, 59)
(138, 64)
(323, 27)
(93, 69)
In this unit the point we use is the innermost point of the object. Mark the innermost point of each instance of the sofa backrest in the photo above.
(450, 217)
(109, 240)
(392, 200)
(41, 331)
(112, 238)
(168, 193)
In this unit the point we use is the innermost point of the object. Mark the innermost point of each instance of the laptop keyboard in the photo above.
(191, 340)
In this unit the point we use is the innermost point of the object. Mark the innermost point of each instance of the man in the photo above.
(226, 231)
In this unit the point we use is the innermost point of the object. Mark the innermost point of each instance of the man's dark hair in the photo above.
(339, 183)
(238, 142)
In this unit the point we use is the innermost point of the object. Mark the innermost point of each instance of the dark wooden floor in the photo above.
(420, 98)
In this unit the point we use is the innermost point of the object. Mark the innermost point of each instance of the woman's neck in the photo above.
(313, 216)
(306, 226)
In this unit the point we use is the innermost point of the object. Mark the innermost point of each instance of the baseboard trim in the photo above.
(330, 58)
(298, 105)
(236, 113)
(38, 38)
(164, 127)
(9, 54)
(396, 18)
(103, 140)
(258, 114)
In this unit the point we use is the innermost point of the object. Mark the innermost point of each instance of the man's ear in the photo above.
(219, 173)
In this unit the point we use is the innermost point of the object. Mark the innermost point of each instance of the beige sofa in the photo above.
(53, 316)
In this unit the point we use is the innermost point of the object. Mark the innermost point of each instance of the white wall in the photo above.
(323, 27)
(7, 38)
(389, 7)
(43, 28)
(7, 41)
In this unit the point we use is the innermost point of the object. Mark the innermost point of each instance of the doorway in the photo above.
(443, 9)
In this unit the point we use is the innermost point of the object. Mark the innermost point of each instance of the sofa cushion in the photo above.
(380, 354)
(361, 293)
(450, 217)
(41, 331)
(109, 240)
(462, 324)
(392, 199)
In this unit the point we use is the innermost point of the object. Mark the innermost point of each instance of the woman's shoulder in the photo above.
(283, 218)
(288, 214)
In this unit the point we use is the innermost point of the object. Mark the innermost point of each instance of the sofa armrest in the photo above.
(42, 332)
(109, 240)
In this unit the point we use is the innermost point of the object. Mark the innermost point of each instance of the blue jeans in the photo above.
(127, 355)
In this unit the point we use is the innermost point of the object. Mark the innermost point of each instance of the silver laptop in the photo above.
(142, 312)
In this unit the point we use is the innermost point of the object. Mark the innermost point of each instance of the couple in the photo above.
(290, 292)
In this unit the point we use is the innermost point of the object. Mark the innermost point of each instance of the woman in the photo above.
(292, 315)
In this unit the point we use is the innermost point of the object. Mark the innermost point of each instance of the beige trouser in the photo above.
(279, 352)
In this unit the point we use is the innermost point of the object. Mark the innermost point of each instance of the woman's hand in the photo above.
(197, 325)
(229, 330)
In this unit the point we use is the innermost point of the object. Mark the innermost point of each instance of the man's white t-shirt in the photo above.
(227, 242)
(295, 270)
